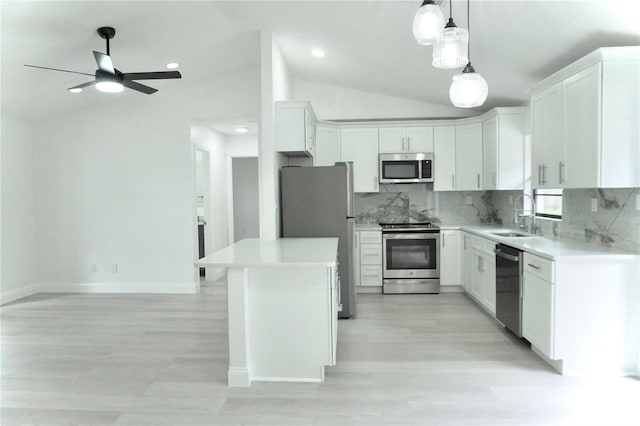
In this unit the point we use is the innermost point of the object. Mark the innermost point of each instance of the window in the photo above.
(548, 203)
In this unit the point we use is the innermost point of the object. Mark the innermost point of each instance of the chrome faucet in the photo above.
(521, 214)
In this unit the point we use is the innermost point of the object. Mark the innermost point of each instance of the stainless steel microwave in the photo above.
(406, 168)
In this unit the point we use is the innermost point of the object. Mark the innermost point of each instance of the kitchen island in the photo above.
(283, 301)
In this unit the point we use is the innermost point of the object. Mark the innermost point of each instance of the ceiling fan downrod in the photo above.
(107, 33)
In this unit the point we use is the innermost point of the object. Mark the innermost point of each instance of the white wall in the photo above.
(115, 185)
(242, 146)
(18, 259)
(245, 198)
(275, 86)
(340, 103)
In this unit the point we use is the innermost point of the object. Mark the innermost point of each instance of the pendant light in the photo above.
(468, 89)
(450, 47)
(428, 22)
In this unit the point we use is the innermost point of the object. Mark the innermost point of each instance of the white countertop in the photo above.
(541, 246)
(281, 252)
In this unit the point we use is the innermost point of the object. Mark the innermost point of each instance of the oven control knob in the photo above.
(410, 273)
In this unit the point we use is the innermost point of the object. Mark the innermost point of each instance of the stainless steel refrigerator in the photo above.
(318, 202)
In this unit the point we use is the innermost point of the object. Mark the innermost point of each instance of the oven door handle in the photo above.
(411, 236)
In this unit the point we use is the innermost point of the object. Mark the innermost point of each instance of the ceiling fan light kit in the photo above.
(427, 22)
(109, 79)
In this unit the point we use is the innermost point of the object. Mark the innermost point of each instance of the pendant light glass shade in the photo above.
(450, 48)
(468, 89)
(427, 23)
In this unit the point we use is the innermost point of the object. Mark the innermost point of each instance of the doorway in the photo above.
(244, 181)
(203, 213)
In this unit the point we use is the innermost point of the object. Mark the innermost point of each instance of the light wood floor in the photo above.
(162, 360)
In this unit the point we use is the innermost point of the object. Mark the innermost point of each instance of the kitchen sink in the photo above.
(510, 234)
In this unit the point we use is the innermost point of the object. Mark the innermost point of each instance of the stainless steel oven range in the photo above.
(410, 258)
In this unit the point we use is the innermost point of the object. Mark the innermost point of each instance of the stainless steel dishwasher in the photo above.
(509, 287)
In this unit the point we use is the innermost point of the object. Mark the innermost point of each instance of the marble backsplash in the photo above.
(615, 224)
(419, 203)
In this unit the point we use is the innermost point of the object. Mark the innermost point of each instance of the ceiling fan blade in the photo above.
(158, 75)
(139, 87)
(57, 69)
(104, 62)
(81, 86)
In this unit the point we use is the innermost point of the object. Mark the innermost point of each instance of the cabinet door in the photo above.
(419, 139)
(466, 262)
(361, 146)
(556, 140)
(477, 279)
(392, 140)
(538, 313)
(291, 129)
(582, 118)
(449, 258)
(489, 281)
(370, 275)
(490, 153)
(469, 157)
(327, 151)
(444, 158)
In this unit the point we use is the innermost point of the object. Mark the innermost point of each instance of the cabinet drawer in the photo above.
(484, 245)
(371, 275)
(370, 237)
(371, 254)
(540, 267)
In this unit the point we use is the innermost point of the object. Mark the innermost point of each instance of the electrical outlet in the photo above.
(94, 268)
(469, 200)
(114, 268)
(638, 202)
(594, 205)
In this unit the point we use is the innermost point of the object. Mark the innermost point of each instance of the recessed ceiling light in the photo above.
(241, 130)
(318, 53)
(75, 90)
(173, 65)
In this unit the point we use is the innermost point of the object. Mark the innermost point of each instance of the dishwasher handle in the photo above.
(506, 256)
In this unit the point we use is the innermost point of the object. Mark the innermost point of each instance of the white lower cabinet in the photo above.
(466, 261)
(450, 271)
(368, 252)
(481, 271)
(537, 313)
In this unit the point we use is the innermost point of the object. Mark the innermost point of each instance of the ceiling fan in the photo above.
(110, 79)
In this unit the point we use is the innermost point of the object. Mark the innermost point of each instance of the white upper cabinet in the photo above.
(444, 158)
(327, 150)
(585, 127)
(295, 127)
(406, 139)
(360, 145)
(503, 149)
(548, 145)
(468, 176)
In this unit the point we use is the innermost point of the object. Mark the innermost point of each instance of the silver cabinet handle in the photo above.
(479, 263)
(403, 147)
(539, 174)
(561, 172)
(495, 179)
(408, 144)
(478, 180)
(453, 181)
(533, 266)
(544, 174)
(443, 240)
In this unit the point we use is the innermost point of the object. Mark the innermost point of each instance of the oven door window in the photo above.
(411, 254)
(400, 170)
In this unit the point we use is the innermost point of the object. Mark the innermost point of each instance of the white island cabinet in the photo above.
(283, 302)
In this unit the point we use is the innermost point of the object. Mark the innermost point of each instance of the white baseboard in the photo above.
(19, 293)
(147, 288)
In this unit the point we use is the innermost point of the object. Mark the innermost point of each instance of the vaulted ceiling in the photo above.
(368, 44)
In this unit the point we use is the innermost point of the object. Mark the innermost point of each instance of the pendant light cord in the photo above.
(450, 9)
(469, 30)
